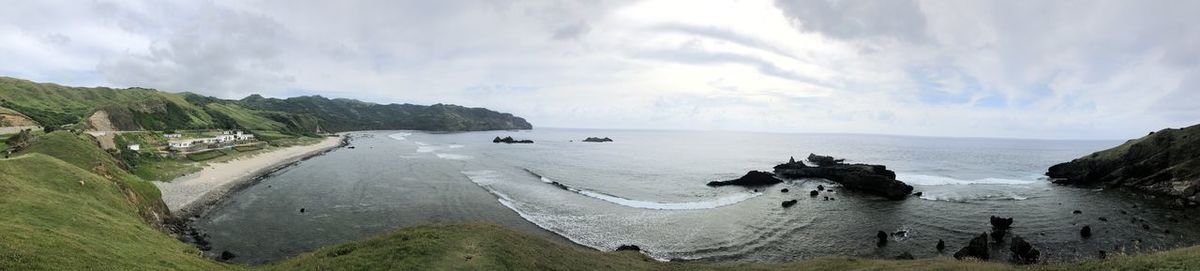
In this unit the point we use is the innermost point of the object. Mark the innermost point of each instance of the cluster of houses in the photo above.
(225, 138)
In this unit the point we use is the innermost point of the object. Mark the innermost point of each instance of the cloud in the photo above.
(898, 19)
(1061, 69)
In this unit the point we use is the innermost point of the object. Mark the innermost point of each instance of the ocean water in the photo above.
(647, 188)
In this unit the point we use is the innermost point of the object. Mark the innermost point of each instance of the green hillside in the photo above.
(147, 109)
(346, 115)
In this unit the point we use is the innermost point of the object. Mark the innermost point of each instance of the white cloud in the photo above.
(1062, 69)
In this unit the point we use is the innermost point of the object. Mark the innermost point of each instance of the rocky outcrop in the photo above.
(874, 179)
(1023, 252)
(789, 203)
(977, 248)
(1166, 162)
(510, 140)
(752, 178)
(597, 139)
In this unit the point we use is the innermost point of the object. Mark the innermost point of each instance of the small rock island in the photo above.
(510, 140)
(874, 179)
(597, 139)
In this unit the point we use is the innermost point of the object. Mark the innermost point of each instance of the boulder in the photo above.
(1022, 251)
(785, 190)
(752, 178)
(820, 187)
(998, 235)
(976, 248)
(941, 245)
(1085, 232)
(789, 203)
(629, 248)
(1077, 212)
(1000, 223)
(597, 139)
(824, 161)
(882, 239)
(874, 179)
(814, 193)
(919, 194)
(226, 256)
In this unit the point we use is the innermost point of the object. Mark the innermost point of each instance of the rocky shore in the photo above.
(1164, 163)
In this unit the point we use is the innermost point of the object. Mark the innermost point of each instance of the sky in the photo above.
(1019, 68)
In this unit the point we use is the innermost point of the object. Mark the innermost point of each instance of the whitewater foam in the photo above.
(695, 205)
(451, 156)
(942, 180)
(400, 136)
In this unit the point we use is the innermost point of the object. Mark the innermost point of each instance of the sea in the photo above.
(647, 188)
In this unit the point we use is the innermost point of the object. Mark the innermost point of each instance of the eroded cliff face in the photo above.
(1166, 162)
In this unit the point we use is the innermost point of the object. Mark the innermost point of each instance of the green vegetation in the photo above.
(338, 115)
(206, 155)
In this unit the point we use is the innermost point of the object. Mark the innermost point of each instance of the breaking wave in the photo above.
(695, 205)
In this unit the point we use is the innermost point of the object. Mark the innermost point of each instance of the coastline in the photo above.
(192, 194)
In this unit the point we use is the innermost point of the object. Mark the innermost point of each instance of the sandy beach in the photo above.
(188, 194)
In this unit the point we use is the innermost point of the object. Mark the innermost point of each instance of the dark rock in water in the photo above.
(1085, 232)
(820, 187)
(900, 234)
(789, 203)
(874, 179)
(814, 193)
(597, 139)
(1077, 212)
(510, 140)
(905, 256)
(351, 147)
(752, 178)
(976, 248)
(941, 245)
(785, 190)
(1000, 223)
(1105, 219)
(882, 238)
(1145, 227)
(826, 198)
(755, 190)
(824, 161)
(1103, 255)
(301, 210)
(1167, 231)
(1022, 251)
(832, 198)
(1124, 212)
(998, 235)
(919, 194)
(1162, 163)
(629, 248)
(226, 255)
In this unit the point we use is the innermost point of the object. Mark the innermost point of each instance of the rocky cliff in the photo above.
(1166, 162)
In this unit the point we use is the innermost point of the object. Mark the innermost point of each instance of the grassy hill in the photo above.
(148, 109)
(347, 115)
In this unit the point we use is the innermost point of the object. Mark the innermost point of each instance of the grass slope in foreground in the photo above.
(66, 205)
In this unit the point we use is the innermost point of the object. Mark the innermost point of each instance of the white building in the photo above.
(226, 138)
(240, 136)
(135, 147)
(180, 144)
(172, 135)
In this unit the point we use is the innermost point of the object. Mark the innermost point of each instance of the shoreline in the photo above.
(193, 194)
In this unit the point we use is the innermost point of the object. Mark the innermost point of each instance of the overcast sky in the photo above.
(1029, 69)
